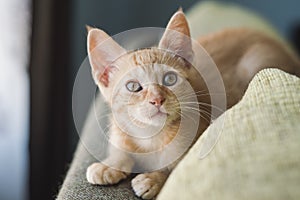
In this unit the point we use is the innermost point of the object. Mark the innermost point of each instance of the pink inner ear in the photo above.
(104, 77)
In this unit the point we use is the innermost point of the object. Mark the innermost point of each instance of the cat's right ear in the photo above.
(176, 37)
(102, 51)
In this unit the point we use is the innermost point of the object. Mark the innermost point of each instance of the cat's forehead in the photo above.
(149, 65)
(155, 55)
(149, 72)
(150, 59)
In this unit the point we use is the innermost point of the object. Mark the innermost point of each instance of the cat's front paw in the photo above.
(148, 185)
(100, 174)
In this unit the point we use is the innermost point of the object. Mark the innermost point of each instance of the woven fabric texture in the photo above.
(75, 185)
(257, 154)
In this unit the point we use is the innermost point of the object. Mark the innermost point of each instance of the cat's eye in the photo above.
(170, 79)
(133, 86)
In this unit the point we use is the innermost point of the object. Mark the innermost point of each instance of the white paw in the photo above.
(100, 174)
(146, 186)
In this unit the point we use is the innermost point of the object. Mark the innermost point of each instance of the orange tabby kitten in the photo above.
(142, 84)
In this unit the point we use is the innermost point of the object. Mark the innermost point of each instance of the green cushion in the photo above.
(257, 154)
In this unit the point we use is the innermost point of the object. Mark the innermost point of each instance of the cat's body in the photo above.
(156, 82)
(242, 53)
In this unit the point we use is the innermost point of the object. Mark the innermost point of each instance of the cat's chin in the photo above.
(158, 119)
(153, 125)
(155, 122)
(159, 114)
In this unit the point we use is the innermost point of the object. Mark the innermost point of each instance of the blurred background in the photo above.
(42, 45)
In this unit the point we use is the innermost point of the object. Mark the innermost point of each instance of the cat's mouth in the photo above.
(159, 113)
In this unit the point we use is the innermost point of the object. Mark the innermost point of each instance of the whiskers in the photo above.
(183, 115)
(200, 93)
(190, 103)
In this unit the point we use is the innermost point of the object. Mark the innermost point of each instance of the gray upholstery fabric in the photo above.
(75, 185)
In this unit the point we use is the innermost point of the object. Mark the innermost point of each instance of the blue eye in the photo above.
(170, 78)
(133, 86)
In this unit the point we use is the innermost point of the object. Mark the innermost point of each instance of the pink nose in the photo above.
(157, 101)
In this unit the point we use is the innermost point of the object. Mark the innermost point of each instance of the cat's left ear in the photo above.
(177, 36)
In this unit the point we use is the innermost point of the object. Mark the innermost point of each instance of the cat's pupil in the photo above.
(170, 79)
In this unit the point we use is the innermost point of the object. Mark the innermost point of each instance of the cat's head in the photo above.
(145, 84)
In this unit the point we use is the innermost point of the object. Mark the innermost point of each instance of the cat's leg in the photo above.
(148, 185)
(116, 167)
